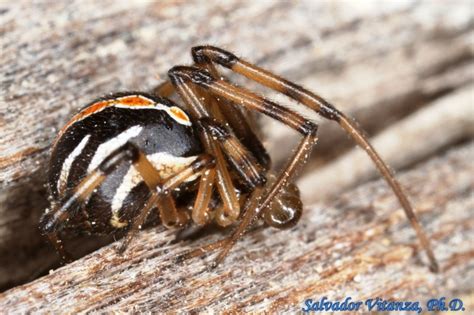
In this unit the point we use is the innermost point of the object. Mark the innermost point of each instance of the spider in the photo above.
(127, 154)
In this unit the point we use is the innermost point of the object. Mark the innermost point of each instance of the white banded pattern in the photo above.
(174, 112)
(66, 167)
(133, 101)
(165, 163)
(111, 145)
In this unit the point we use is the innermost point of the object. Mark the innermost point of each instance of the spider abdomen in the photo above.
(92, 179)
(160, 129)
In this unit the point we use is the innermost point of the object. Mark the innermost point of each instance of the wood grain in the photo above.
(382, 62)
(360, 245)
(405, 142)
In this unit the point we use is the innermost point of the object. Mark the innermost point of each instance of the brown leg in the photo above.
(209, 54)
(220, 88)
(250, 213)
(165, 89)
(250, 210)
(200, 212)
(53, 221)
(248, 164)
(232, 116)
(162, 197)
(242, 161)
(57, 242)
(290, 171)
(168, 213)
(231, 210)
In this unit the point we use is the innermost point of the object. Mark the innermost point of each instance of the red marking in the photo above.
(179, 113)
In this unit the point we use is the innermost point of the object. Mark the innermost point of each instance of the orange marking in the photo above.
(126, 101)
(81, 115)
(134, 101)
(91, 110)
(179, 113)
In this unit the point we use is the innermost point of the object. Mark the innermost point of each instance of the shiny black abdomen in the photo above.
(151, 130)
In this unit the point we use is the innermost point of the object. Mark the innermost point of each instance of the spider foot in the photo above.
(180, 259)
(201, 251)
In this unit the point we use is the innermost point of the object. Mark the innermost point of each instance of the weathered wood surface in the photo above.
(405, 142)
(382, 63)
(359, 246)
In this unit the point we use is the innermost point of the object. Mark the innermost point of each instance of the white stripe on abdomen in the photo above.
(165, 163)
(66, 167)
(111, 145)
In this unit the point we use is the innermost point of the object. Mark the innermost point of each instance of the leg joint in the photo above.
(330, 112)
(205, 161)
(309, 128)
(181, 74)
(47, 223)
(207, 54)
(213, 127)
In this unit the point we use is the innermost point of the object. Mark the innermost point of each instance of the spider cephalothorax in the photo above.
(127, 154)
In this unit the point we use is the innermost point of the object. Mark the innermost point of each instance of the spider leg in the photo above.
(220, 88)
(250, 209)
(161, 196)
(169, 215)
(231, 206)
(209, 54)
(53, 221)
(165, 89)
(241, 125)
(230, 212)
(200, 213)
(244, 163)
(232, 116)
(225, 187)
(57, 242)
